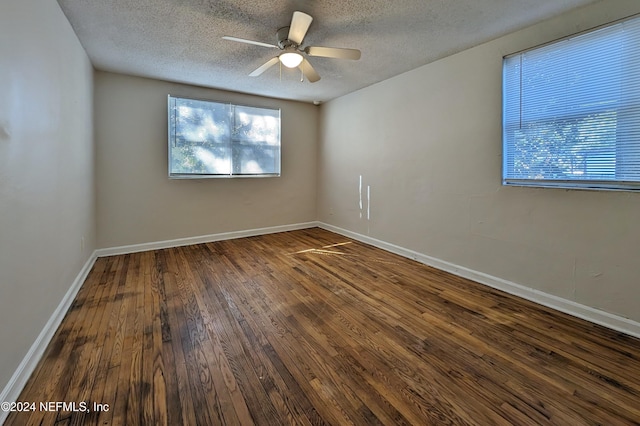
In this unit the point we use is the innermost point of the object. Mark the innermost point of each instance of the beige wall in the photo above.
(46, 170)
(428, 145)
(137, 203)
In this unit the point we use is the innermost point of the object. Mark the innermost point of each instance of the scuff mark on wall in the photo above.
(368, 209)
(573, 279)
(360, 193)
(361, 202)
(368, 202)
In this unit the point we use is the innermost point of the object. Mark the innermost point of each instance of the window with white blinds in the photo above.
(213, 139)
(571, 111)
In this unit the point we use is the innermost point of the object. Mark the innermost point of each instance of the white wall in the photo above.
(428, 146)
(46, 170)
(137, 203)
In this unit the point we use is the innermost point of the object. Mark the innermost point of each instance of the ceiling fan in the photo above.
(289, 41)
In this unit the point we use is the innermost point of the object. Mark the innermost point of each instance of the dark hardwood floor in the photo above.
(309, 327)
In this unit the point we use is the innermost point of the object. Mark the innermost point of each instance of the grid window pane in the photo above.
(211, 139)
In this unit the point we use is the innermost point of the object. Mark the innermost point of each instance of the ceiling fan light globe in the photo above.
(290, 59)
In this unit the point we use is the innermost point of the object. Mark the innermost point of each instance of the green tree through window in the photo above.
(571, 111)
(211, 139)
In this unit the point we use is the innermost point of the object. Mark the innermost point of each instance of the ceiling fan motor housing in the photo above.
(283, 41)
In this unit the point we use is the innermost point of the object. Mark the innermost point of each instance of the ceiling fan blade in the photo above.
(333, 52)
(242, 40)
(308, 71)
(299, 26)
(271, 62)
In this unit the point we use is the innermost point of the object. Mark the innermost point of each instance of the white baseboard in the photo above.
(134, 248)
(12, 390)
(614, 322)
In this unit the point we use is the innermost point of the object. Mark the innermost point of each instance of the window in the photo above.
(211, 139)
(571, 111)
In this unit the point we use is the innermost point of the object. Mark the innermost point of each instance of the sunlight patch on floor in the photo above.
(324, 252)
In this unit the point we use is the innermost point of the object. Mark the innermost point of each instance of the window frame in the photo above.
(233, 143)
(615, 184)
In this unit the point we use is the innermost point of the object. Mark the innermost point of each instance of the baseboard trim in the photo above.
(12, 390)
(134, 248)
(614, 322)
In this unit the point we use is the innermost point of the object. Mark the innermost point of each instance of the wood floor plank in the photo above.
(59, 361)
(312, 328)
(191, 334)
(181, 410)
(120, 399)
(106, 382)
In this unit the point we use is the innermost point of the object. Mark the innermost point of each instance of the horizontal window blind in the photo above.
(571, 111)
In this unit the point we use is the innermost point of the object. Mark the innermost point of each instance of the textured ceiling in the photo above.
(181, 40)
